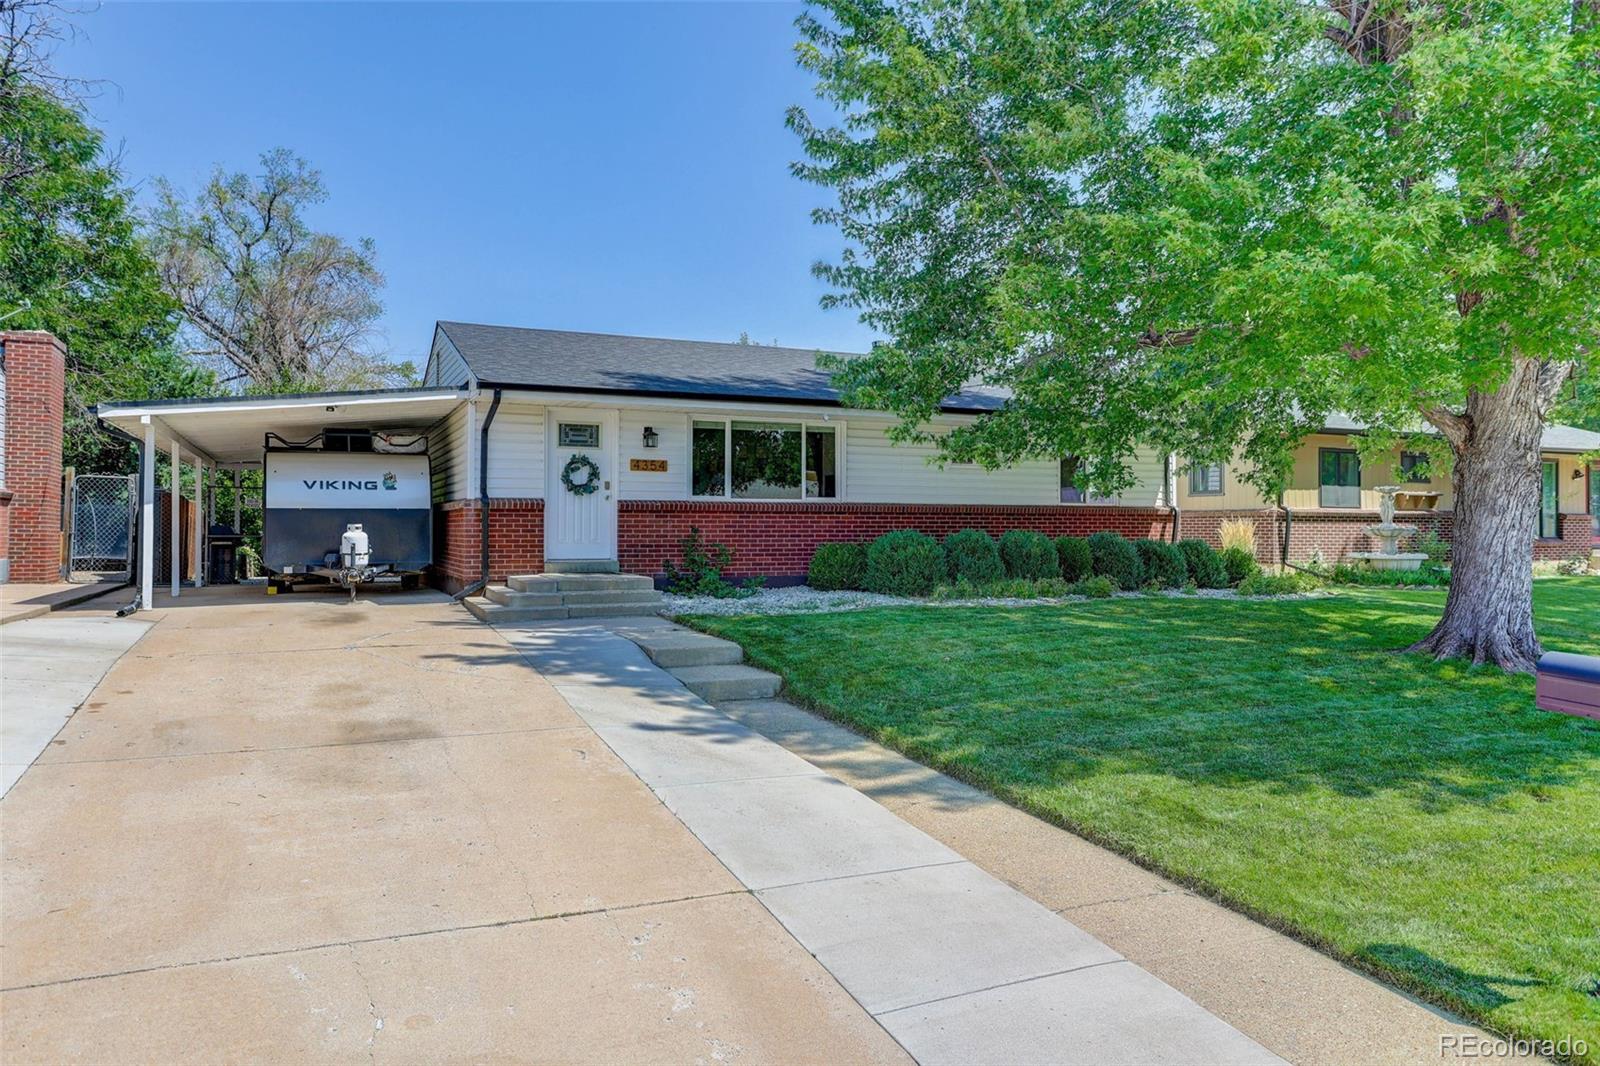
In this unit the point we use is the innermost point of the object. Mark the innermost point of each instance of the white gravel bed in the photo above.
(800, 599)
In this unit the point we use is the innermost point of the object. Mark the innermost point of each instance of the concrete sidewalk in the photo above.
(956, 965)
(48, 667)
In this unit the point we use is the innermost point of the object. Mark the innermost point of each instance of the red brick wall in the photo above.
(516, 540)
(777, 539)
(35, 379)
(1577, 539)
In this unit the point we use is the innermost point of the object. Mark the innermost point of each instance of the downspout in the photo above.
(483, 502)
(1288, 528)
(1171, 486)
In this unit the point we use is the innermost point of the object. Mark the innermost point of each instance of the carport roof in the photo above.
(231, 430)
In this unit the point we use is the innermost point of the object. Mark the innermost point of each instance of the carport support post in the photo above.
(199, 523)
(236, 528)
(177, 516)
(147, 517)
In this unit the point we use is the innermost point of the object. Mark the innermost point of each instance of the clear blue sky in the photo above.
(620, 168)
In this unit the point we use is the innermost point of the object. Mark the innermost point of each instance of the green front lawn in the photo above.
(1420, 819)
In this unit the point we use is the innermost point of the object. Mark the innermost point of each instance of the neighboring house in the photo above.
(1332, 496)
(747, 443)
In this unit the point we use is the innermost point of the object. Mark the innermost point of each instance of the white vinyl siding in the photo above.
(516, 450)
(1150, 488)
(447, 455)
(673, 429)
(879, 471)
(445, 365)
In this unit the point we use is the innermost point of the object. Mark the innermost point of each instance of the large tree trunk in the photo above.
(1488, 614)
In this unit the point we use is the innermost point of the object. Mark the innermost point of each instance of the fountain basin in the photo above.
(1391, 560)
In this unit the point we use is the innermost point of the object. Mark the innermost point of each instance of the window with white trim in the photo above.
(747, 459)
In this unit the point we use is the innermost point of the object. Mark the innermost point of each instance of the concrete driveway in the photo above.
(292, 829)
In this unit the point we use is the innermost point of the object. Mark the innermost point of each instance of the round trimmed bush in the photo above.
(1205, 567)
(904, 563)
(1163, 563)
(1077, 562)
(1029, 555)
(971, 555)
(837, 566)
(1112, 556)
(1238, 564)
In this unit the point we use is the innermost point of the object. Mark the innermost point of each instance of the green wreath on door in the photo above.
(579, 462)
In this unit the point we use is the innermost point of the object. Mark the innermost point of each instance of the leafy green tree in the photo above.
(72, 262)
(270, 302)
(1204, 225)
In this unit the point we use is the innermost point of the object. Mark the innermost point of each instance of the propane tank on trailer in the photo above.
(354, 551)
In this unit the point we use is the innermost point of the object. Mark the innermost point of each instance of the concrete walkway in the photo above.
(299, 830)
(956, 965)
(48, 667)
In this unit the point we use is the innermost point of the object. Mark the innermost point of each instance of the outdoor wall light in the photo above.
(651, 437)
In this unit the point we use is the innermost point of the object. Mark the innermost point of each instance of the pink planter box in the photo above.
(1568, 684)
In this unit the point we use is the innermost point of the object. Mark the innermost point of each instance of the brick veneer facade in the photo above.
(770, 539)
(35, 379)
(516, 540)
(1337, 533)
(776, 539)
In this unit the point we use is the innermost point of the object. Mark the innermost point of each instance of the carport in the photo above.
(229, 434)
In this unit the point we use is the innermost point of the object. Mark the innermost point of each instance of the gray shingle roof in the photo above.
(603, 362)
(1556, 438)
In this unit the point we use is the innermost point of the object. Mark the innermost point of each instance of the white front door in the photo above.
(580, 525)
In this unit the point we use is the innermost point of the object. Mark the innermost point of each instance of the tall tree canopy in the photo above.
(271, 302)
(1201, 226)
(71, 257)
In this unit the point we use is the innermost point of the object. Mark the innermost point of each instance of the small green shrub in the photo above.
(904, 563)
(837, 566)
(1428, 576)
(1435, 547)
(1075, 558)
(971, 555)
(1099, 587)
(1029, 554)
(1285, 584)
(701, 572)
(1239, 564)
(1204, 565)
(1163, 563)
(1115, 558)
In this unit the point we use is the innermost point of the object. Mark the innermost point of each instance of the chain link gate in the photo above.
(102, 523)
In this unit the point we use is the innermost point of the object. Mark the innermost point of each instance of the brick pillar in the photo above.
(35, 379)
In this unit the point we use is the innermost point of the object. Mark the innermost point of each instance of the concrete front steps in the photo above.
(710, 667)
(544, 597)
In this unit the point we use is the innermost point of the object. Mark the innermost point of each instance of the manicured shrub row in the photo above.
(908, 563)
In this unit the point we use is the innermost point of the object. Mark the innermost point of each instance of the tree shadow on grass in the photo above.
(1481, 991)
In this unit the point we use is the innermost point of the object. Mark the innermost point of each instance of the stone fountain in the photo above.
(1388, 533)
